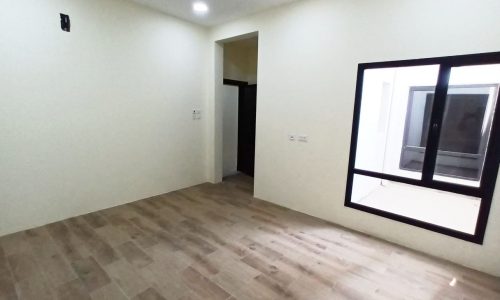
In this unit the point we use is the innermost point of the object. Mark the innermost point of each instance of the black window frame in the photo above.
(491, 165)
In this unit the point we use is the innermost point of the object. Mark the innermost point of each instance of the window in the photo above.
(425, 142)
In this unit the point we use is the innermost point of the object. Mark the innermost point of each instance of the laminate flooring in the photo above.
(218, 242)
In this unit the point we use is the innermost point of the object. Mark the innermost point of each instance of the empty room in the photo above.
(249, 149)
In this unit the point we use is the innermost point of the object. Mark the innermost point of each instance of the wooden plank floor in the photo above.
(217, 242)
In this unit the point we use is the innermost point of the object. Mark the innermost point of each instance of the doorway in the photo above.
(239, 107)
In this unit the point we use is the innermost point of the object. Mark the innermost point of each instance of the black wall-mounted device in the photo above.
(65, 23)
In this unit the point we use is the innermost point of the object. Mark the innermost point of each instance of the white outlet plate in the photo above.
(196, 114)
(302, 138)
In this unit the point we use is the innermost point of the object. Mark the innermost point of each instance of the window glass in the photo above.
(416, 129)
(386, 101)
(423, 204)
(466, 125)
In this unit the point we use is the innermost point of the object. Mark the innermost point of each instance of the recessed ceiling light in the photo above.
(200, 7)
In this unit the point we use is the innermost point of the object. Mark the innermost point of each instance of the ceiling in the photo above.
(221, 11)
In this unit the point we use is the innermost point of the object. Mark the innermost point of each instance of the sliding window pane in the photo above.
(466, 125)
(396, 106)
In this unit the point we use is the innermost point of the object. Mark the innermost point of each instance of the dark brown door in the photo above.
(246, 129)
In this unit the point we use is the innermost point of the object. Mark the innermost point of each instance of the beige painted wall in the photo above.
(308, 55)
(240, 60)
(99, 116)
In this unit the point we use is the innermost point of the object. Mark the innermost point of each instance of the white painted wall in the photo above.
(99, 116)
(230, 130)
(308, 56)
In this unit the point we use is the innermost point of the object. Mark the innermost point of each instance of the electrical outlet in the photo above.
(196, 114)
